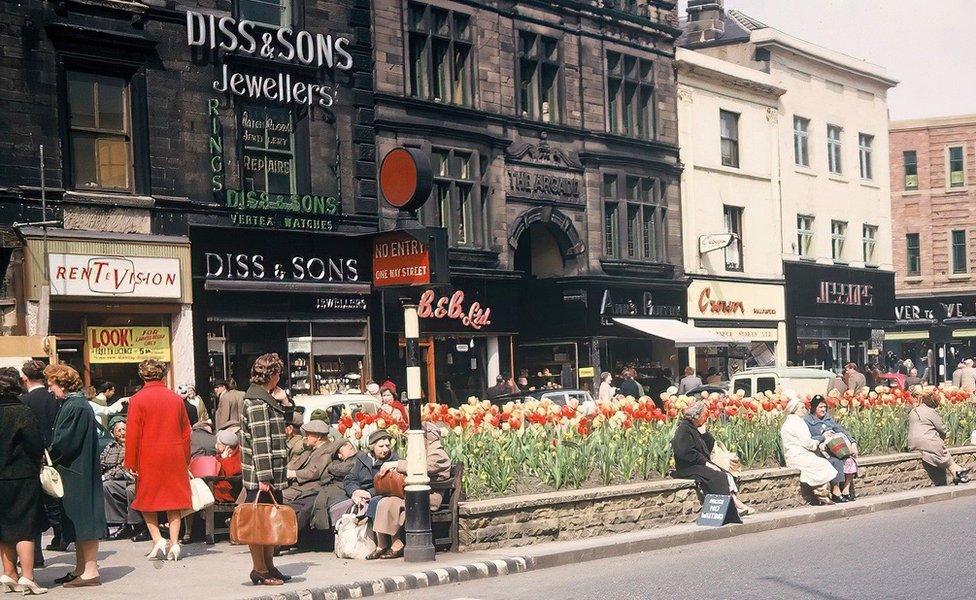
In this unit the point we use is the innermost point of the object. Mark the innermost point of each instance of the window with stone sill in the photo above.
(910, 159)
(457, 202)
(635, 218)
(729, 134)
(834, 149)
(539, 66)
(99, 131)
(838, 237)
(801, 141)
(870, 243)
(913, 255)
(441, 55)
(804, 235)
(957, 167)
(270, 13)
(630, 95)
(960, 262)
(865, 148)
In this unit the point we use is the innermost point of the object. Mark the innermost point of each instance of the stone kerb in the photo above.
(575, 514)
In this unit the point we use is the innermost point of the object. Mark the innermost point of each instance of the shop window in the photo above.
(733, 225)
(99, 132)
(273, 13)
(630, 95)
(914, 256)
(457, 192)
(638, 202)
(834, 163)
(865, 144)
(440, 53)
(268, 144)
(804, 235)
(870, 243)
(838, 236)
(326, 358)
(729, 133)
(801, 142)
(957, 171)
(960, 263)
(539, 66)
(910, 159)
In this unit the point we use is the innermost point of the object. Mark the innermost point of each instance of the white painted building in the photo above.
(731, 186)
(834, 213)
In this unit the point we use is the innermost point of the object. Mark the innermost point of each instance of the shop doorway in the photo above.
(539, 256)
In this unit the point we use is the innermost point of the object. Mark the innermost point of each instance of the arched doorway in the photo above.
(546, 244)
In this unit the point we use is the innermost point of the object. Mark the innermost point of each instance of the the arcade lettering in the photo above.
(279, 44)
(543, 186)
(297, 268)
(845, 294)
(452, 307)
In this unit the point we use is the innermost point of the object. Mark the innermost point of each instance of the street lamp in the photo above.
(419, 541)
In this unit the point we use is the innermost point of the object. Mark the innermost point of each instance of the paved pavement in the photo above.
(906, 553)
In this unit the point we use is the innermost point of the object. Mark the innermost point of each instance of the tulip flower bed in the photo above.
(536, 446)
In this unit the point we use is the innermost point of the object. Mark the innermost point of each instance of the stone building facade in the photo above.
(933, 187)
(553, 127)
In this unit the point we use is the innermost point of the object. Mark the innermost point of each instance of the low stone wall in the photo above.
(574, 514)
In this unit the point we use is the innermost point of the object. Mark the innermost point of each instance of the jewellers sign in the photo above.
(129, 277)
(835, 292)
(280, 44)
(712, 299)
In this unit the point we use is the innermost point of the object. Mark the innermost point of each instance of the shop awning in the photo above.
(682, 334)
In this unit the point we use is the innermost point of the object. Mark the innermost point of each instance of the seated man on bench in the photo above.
(331, 492)
(305, 471)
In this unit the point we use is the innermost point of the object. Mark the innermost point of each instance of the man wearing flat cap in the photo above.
(293, 436)
(305, 471)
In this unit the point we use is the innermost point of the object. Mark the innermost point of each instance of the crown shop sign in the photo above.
(281, 44)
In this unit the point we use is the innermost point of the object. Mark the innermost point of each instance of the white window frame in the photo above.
(804, 235)
(948, 162)
(801, 141)
(838, 237)
(835, 149)
(870, 242)
(865, 147)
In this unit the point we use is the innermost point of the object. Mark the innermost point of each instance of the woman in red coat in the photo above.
(157, 452)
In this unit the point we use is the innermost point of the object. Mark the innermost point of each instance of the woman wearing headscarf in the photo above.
(926, 434)
(800, 450)
(157, 453)
(822, 428)
(692, 445)
(22, 517)
(358, 484)
(74, 451)
(390, 512)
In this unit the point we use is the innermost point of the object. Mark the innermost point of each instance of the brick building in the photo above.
(553, 129)
(204, 164)
(933, 190)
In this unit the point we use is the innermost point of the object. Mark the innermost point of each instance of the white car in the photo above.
(335, 404)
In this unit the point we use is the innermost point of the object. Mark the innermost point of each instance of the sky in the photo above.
(929, 47)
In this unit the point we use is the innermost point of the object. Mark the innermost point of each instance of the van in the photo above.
(805, 381)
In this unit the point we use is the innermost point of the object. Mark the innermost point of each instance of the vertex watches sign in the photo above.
(129, 277)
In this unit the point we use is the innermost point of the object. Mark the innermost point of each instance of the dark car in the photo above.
(713, 388)
(557, 396)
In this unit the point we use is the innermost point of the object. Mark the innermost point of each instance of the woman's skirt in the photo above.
(22, 515)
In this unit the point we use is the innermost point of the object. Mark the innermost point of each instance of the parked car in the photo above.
(710, 388)
(558, 397)
(335, 404)
(802, 380)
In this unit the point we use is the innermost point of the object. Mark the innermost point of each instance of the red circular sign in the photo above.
(406, 178)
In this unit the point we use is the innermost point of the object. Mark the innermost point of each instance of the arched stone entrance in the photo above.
(546, 243)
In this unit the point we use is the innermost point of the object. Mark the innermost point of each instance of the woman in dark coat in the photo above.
(823, 427)
(21, 518)
(358, 484)
(74, 450)
(692, 456)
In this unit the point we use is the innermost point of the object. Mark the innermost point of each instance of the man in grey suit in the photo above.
(305, 470)
(855, 379)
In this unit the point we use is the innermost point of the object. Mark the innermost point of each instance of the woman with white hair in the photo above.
(692, 445)
(800, 451)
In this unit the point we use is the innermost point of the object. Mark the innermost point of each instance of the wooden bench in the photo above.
(236, 485)
(444, 521)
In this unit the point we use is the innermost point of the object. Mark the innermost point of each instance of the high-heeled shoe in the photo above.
(174, 552)
(30, 587)
(274, 572)
(9, 584)
(158, 551)
(264, 579)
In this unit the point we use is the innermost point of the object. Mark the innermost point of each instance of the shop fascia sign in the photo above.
(131, 277)
(276, 44)
(630, 307)
(728, 300)
(846, 294)
(256, 267)
(946, 310)
(474, 316)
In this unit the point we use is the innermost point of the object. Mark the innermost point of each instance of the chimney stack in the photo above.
(706, 20)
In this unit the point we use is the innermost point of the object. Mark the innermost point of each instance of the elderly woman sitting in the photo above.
(692, 445)
(358, 484)
(822, 429)
(800, 451)
(926, 434)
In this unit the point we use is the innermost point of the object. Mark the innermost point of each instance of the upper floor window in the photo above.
(273, 13)
(729, 132)
(870, 243)
(539, 64)
(865, 142)
(268, 142)
(733, 225)
(838, 236)
(960, 262)
(914, 255)
(635, 218)
(440, 54)
(801, 143)
(911, 169)
(834, 164)
(957, 170)
(804, 235)
(99, 132)
(630, 95)
(457, 192)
